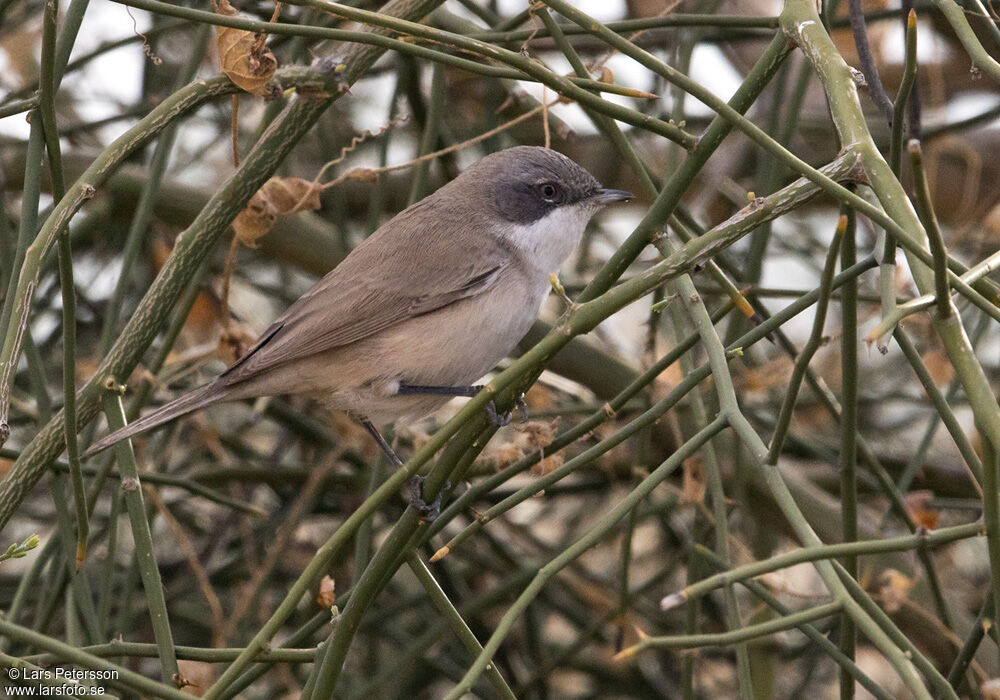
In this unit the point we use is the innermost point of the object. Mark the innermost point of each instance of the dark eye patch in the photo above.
(529, 190)
(525, 202)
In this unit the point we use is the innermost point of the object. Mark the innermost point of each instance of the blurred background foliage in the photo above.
(238, 499)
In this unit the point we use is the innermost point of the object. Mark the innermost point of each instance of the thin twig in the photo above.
(143, 539)
(868, 68)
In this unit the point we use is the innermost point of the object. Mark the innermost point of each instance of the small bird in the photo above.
(426, 305)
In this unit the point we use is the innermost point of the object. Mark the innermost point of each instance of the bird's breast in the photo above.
(460, 343)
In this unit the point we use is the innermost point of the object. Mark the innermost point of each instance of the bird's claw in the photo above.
(428, 512)
(496, 418)
(522, 409)
(501, 419)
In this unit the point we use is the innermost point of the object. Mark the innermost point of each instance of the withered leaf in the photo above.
(894, 589)
(234, 340)
(939, 366)
(693, 482)
(918, 504)
(504, 455)
(278, 197)
(549, 464)
(244, 57)
(326, 597)
(539, 434)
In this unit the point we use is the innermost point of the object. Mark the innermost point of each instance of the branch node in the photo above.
(673, 600)
(111, 384)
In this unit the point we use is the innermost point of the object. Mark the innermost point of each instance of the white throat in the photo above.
(548, 241)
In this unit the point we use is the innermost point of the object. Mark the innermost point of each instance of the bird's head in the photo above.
(539, 199)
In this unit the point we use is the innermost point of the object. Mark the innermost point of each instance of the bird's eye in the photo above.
(549, 191)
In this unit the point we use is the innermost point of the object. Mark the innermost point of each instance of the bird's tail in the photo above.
(191, 401)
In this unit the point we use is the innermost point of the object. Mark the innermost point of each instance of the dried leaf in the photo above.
(918, 505)
(939, 367)
(289, 195)
(538, 434)
(244, 58)
(326, 597)
(693, 482)
(86, 367)
(234, 340)
(204, 320)
(894, 589)
(549, 464)
(504, 455)
(768, 375)
(540, 398)
(278, 197)
(255, 221)
(667, 381)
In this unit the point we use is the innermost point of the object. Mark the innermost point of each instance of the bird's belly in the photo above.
(453, 346)
(459, 344)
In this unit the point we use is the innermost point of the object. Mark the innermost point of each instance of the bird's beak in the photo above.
(606, 196)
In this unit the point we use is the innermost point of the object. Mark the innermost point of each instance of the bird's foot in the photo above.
(496, 418)
(428, 512)
(501, 419)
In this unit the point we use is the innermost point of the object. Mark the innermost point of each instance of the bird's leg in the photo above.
(381, 441)
(496, 418)
(430, 512)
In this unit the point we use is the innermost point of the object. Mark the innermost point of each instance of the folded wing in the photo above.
(374, 288)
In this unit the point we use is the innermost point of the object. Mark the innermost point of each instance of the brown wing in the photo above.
(401, 271)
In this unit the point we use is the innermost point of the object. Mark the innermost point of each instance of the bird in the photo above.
(424, 306)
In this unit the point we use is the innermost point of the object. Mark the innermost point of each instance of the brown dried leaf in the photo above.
(278, 197)
(326, 597)
(538, 434)
(289, 195)
(86, 367)
(504, 455)
(234, 340)
(255, 221)
(918, 506)
(767, 376)
(693, 482)
(894, 589)
(667, 381)
(939, 367)
(244, 58)
(540, 398)
(206, 316)
(549, 464)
